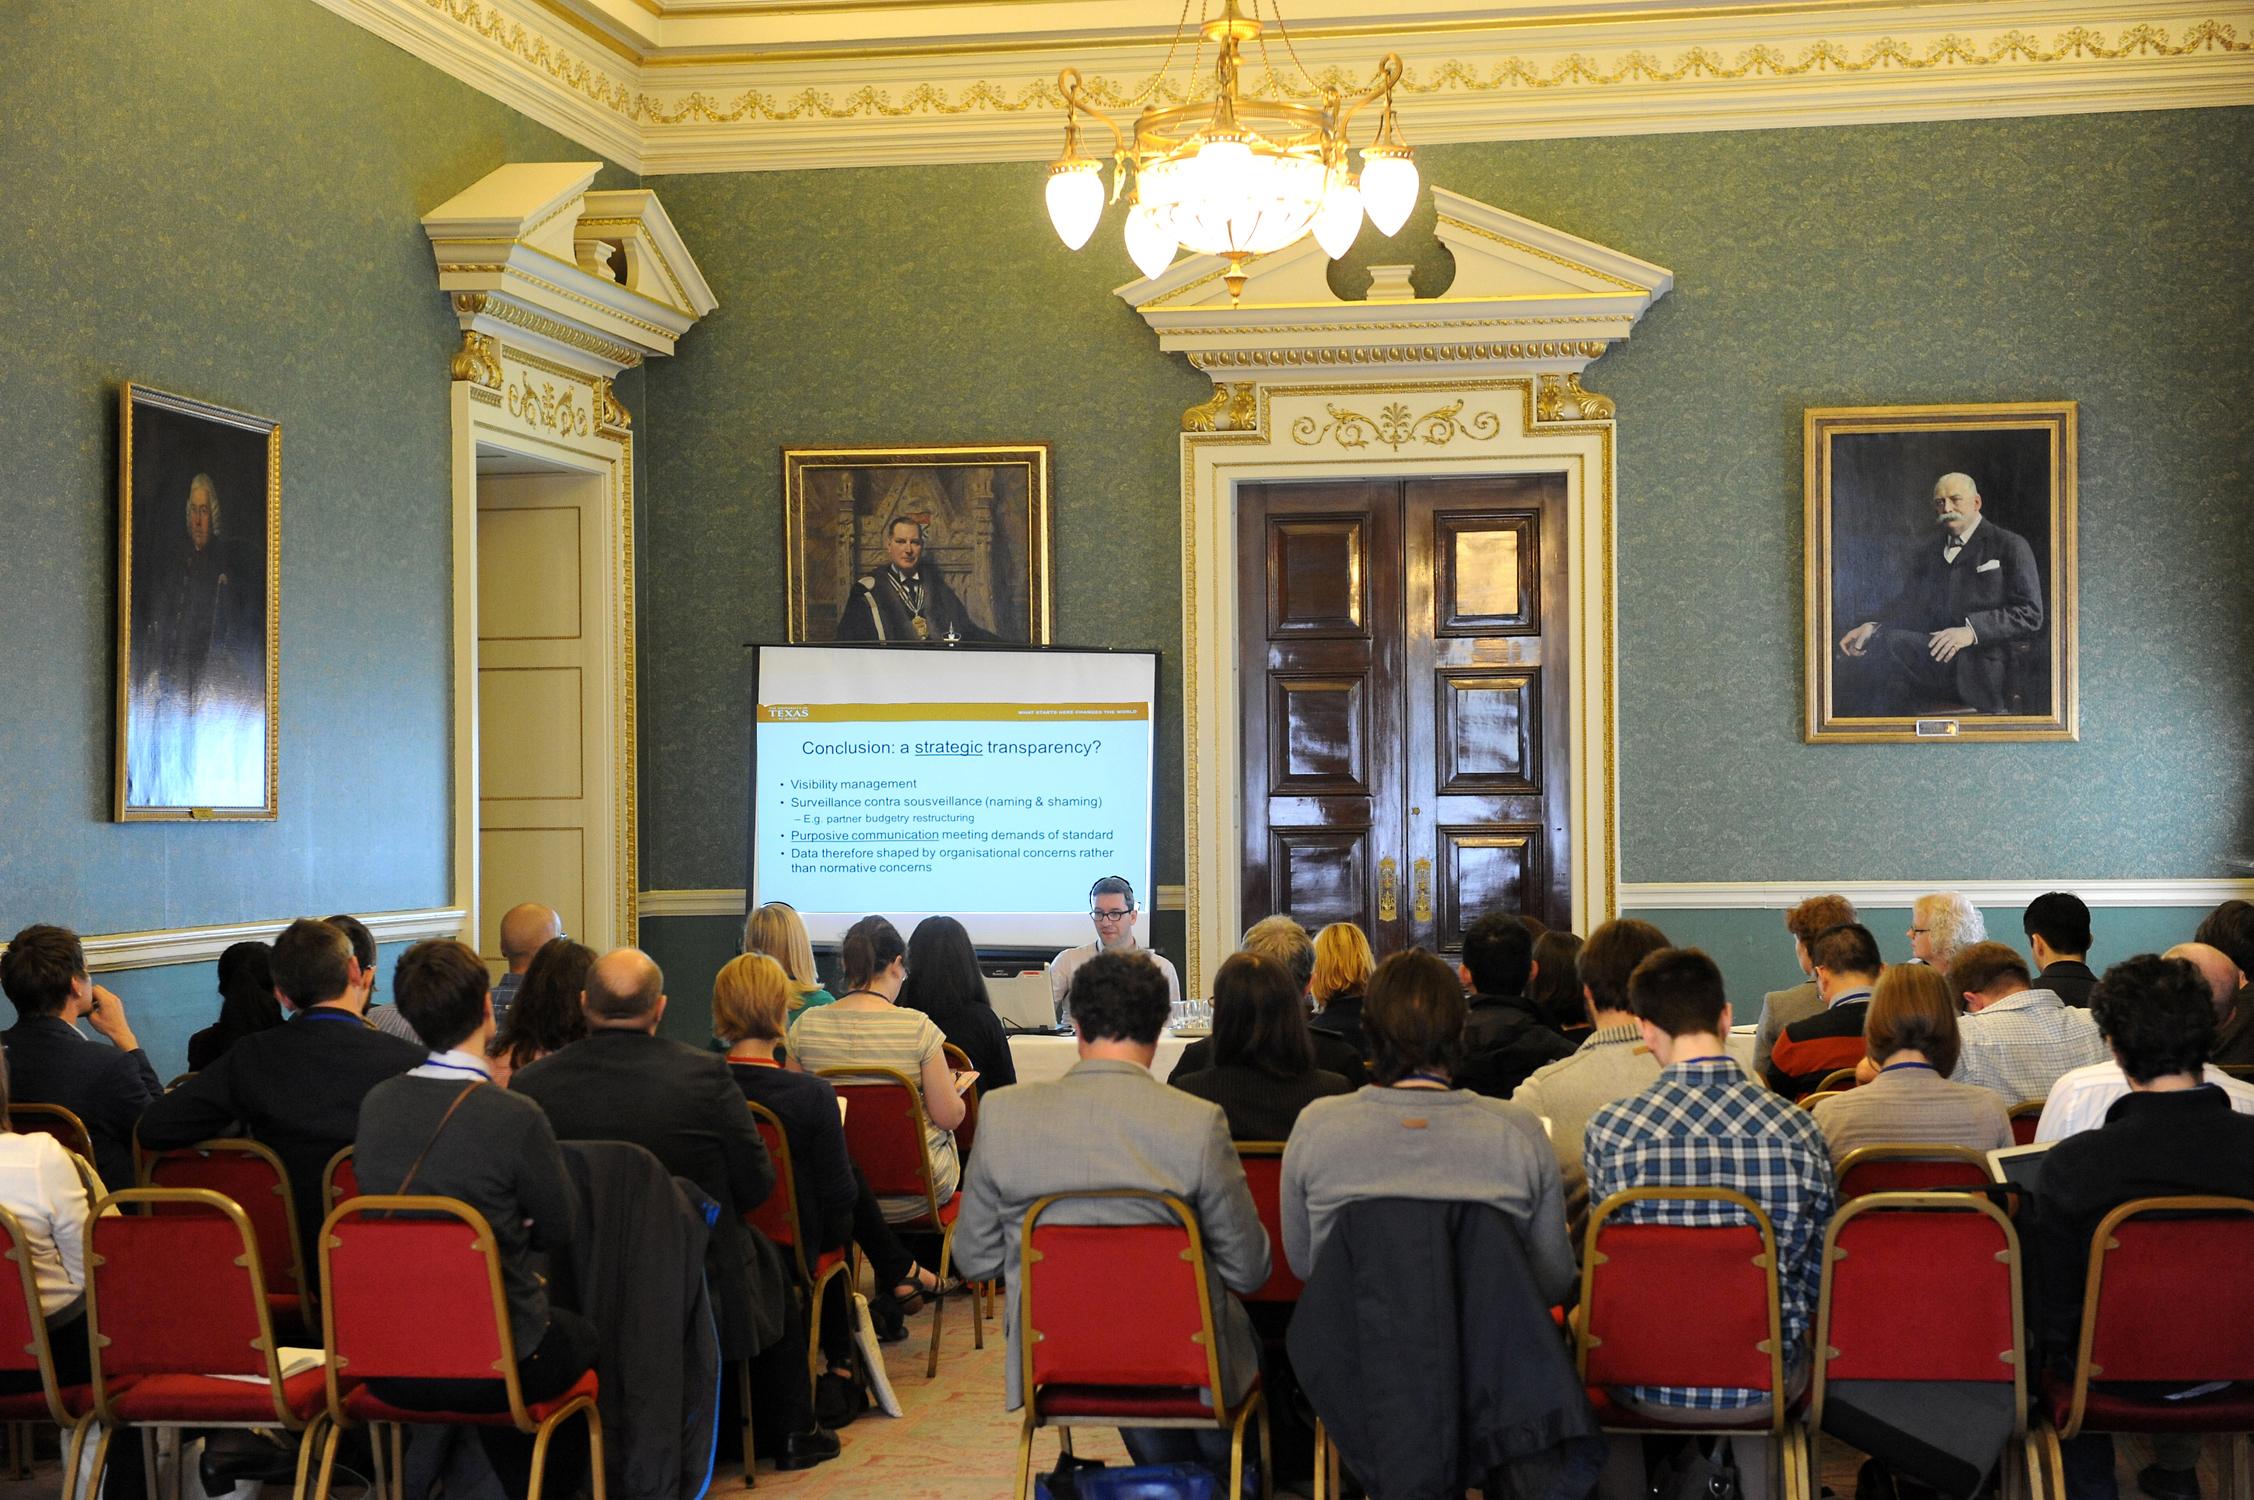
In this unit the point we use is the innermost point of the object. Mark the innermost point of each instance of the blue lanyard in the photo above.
(331, 1013)
(455, 1067)
(1890, 1067)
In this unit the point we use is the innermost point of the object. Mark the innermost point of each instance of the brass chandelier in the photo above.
(1232, 176)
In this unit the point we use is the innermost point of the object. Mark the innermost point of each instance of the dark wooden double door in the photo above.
(1405, 702)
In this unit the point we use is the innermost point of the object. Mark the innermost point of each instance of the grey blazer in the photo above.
(1111, 1124)
(1779, 1009)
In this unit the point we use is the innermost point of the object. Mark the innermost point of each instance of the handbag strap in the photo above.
(417, 1164)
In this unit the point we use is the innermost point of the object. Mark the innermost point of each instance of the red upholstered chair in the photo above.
(986, 1293)
(1909, 1167)
(2026, 1115)
(1839, 1081)
(1263, 1173)
(778, 1219)
(339, 1180)
(253, 1177)
(162, 1358)
(1084, 1363)
(2154, 1309)
(414, 1293)
(886, 1132)
(1926, 1286)
(1683, 1305)
(24, 1350)
(54, 1120)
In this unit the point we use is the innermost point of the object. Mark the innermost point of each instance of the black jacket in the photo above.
(1332, 1055)
(49, 1062)
(1260, 1105)
(1341, 1016)
(296, 1087)
(815, 1133)
(684, 1107)
(1440, 1297)
(2150, 1146)
(1505, 1040)
(636, 1271)
(978, 1031)
(2069, 979)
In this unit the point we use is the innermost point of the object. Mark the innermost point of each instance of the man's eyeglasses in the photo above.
(1111, 916)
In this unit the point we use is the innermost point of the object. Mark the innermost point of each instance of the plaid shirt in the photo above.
(2021, 1046)
(1703, 1125)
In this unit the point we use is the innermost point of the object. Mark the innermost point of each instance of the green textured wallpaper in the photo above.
(2100, 258)
(221, 198)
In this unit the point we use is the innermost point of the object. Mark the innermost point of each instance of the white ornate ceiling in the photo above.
(733, 85)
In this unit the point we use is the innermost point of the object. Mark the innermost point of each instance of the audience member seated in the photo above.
(1285, 942)
(1910, 1033)
(1413, 1134)
(944, 983)
(2057, 924)
(1942, 925)
(1845, 962)
(547, 1015)
(43, 1190)
(776, 931)
(246, 1003)
(2172, 1133)
(385, 1018)
(1555, 987)
(441, 1130)
(1263, 1071)
(1505, 1037)
(1780, 1008)
(866, 1029)
(1110, 1124)
(1343, 962)
(297, 1087)
(1111, 911)
(1611, 1063)
(2080, 1099)
(525, 930)
(2017, 1041)
(2230, 927)
(1704, 1124)
(623, 1082)
(44, 975)
(750, 1008)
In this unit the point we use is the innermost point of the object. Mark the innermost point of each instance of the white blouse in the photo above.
(42, 1189)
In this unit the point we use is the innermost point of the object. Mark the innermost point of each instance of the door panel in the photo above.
(1405, 709)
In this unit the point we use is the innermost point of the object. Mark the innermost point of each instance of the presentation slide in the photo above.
(994, 786)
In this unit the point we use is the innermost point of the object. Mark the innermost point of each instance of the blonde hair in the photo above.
(751, 996)
(774, 930)
(1343, 960)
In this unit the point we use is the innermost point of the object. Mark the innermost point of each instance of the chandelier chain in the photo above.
(1275, 9)
(1151, 87)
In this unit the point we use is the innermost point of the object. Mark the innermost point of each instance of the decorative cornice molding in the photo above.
(753, 95)
(728, 901)
(108, 952)
(2201, 892)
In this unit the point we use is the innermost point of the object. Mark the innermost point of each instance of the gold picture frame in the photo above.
(1940, 581)
(199, 530)
(982, 564)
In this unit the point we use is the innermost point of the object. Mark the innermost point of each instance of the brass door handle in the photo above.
(1388, 894)
(1423, 890)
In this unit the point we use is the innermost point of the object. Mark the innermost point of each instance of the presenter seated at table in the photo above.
(1111, 908)
(1263, 1069)
(865, 1028)
(443, 1130)
(775, 930)
(945, 984)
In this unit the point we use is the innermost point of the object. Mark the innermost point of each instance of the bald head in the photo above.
(2214, 966)
(625, 991)
(525, 930)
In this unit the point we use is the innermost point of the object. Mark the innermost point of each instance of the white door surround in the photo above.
(1484, 379)
(557, 289)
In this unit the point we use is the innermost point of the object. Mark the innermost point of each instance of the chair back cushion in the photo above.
(777, 1216)
(1263, 1171)
(54, 1120)
(1921, 1294)
(174, 1294)
(2024, 1124)
(1909, 1174)
(412, 1297)
(884, 1132)
(1676, 1305)
(255, 1181)
(19, 1299)
(2163, 1311)
(1087, 1328)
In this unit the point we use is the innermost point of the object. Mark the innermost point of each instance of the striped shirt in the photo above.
(2021, 1045)
(1704, 1125)
(833, 1036)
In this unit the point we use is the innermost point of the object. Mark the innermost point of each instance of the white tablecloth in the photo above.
(1041, 1058)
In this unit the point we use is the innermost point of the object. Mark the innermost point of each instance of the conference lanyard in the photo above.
(1890, 1067)
(326, 1013)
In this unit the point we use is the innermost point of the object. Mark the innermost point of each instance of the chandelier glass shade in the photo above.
(1235, 177)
